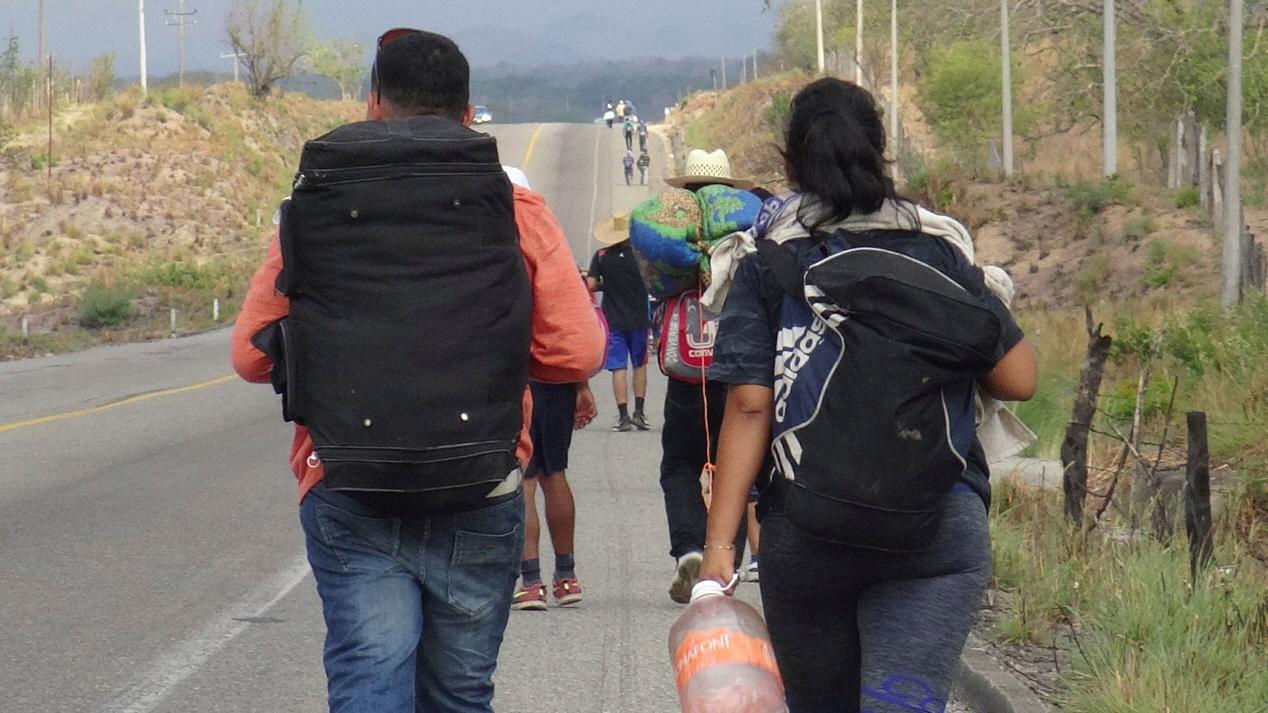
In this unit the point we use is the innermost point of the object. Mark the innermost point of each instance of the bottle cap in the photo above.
(706, 588)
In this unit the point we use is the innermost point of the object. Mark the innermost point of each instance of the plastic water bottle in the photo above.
(723, 661)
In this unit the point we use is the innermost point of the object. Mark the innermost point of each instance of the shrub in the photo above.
(1139, 228)
(102, 306)
(1160, 267)
(778, 112)
(183, 275)
(1092, 197)
(1119, 402)
(1088, 283)
(1187, 197)
(174, 98)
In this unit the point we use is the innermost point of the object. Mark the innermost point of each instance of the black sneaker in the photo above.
(623, 425)
(640, 422)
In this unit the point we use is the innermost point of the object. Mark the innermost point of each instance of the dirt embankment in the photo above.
(153, 194)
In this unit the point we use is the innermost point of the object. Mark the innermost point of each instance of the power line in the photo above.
(183, 19)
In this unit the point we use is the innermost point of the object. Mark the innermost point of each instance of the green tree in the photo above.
(962, 97)
(341, 61)
(272, 37)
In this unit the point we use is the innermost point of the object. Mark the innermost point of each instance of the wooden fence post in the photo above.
(1074, 446)
(1197, 494)
(1253, 267)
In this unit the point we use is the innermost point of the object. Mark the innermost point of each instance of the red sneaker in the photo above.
(530, 598)
(567, 592)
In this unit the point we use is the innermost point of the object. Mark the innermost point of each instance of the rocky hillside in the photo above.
(160, 201)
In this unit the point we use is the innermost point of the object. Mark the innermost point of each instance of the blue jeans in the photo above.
(415, 609)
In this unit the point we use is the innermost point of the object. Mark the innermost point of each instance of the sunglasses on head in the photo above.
(386, 39)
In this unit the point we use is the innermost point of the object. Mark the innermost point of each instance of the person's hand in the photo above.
(586, 407)
(719, 565)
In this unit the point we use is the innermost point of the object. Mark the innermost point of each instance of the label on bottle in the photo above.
(702, 650)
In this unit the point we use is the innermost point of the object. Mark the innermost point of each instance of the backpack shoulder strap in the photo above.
(783, 267)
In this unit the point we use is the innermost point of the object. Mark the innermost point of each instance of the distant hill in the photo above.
(578, 92)
(562, 91)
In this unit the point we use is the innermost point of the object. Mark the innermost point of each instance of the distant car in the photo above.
(483, 115)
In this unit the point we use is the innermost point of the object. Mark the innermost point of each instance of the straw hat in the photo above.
(708, 167)
(613, 230)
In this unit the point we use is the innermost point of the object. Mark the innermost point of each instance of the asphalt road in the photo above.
(150, 554)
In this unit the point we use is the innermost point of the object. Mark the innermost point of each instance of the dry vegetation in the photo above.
(153, 204)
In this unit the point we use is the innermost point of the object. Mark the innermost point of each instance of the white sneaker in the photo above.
(750, 572)
(686, 576)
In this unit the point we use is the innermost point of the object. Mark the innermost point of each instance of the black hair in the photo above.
(425, 73)
(834, 149)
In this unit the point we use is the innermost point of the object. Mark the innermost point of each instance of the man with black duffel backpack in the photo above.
(411, 295)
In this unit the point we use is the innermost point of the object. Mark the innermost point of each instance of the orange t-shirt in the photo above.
(567, 339)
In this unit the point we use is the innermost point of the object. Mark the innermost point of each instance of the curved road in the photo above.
(150, 554)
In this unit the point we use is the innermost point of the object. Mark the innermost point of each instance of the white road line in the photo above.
(186, 658)
(594, 199)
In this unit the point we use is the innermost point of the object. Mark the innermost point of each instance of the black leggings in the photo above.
(858, 630)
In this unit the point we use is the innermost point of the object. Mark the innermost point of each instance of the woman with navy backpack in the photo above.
(858, 339)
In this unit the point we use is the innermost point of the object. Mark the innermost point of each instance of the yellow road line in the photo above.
(532, 144)
(15, 425)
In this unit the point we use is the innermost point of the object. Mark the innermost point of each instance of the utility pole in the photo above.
(237, 60)
(724, 74)
(1110, 69)
(858, 46)
(49, 85)
(893, 72)
(145, 84)
(1008, 88)
(182, 20)
(41, 60)
(1231, 264)
(819, 32)
(755, 65)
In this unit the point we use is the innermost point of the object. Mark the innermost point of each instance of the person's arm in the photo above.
(586, 407)
(594, 276)
(262, 306)
(1016, 376)
(568, 343)
(741, 451)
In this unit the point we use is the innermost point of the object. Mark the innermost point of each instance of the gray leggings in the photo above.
(858, 631)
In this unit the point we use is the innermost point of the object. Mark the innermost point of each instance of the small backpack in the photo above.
(876, 350)
(686, 339)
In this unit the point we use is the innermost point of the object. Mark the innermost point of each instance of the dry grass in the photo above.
(187, 176)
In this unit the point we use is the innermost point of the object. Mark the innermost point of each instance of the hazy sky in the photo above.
(490, 31)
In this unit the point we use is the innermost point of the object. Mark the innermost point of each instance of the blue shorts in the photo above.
(625, 348)
(554, 415)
